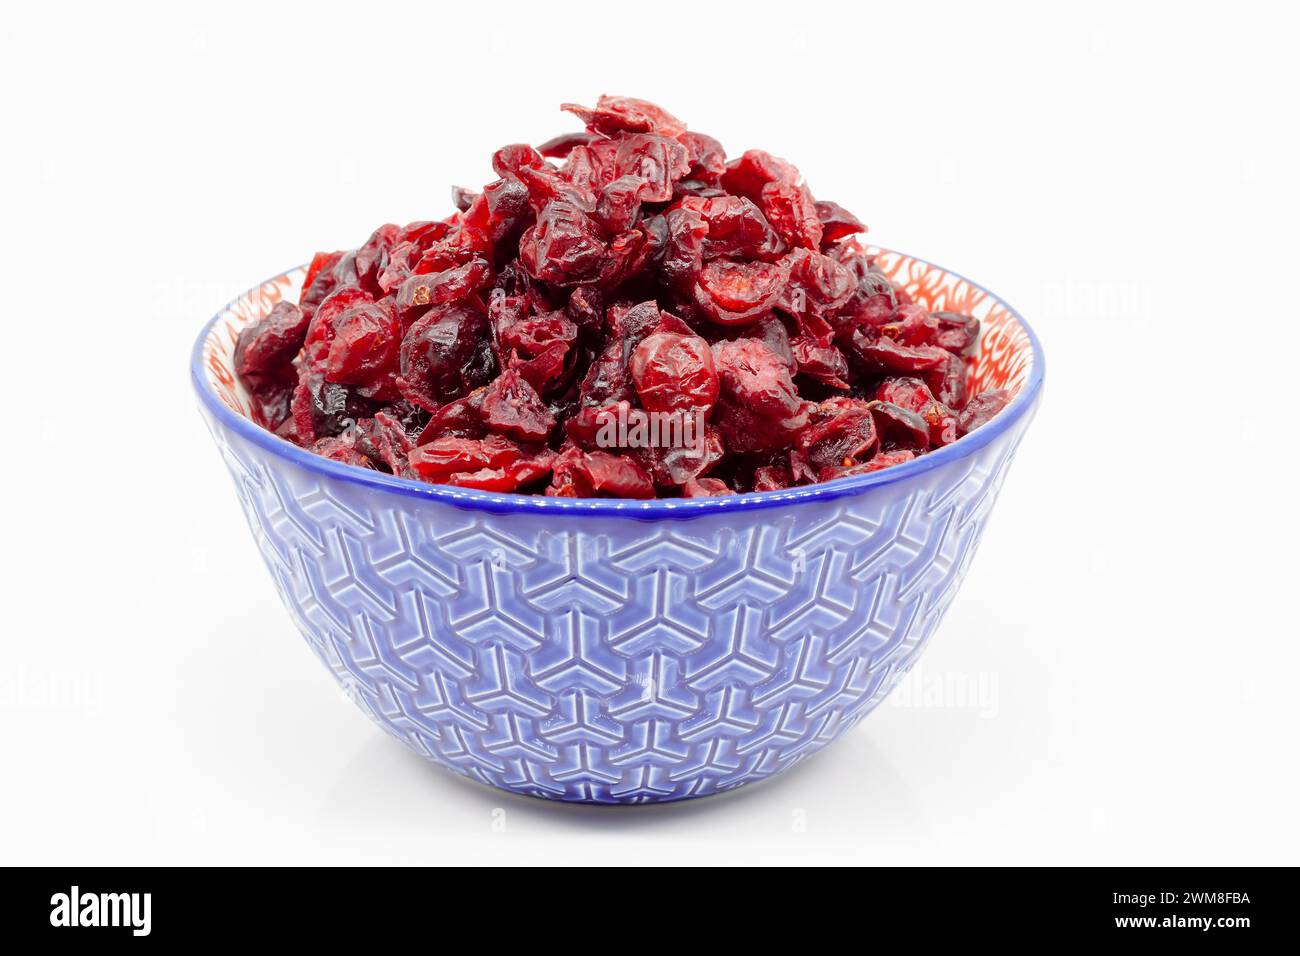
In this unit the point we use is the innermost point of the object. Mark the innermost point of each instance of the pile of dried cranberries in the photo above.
(626, 269)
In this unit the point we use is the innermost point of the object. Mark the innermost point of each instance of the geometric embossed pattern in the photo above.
(607, 659)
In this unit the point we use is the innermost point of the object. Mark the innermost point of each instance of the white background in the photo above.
(1116, 682)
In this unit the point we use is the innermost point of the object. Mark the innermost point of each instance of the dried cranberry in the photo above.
(956, 332)
(914, 395)
(837, 222)
(821, 363)
(564, 247)
(271, 343)
(900, 428)
(421, 292)
(557, 147)
(365, 346)
(341, 450)
(512, 407)
(790, 209)
(444, 355)
(755, 169)
(705, 488)
(674, 372)
(627, 274)
(758, 407)
(619, 114)
(320, 281)
(735, 293)
(981, 409)
(845, 437)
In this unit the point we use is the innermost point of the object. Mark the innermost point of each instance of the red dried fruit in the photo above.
(956, 332)
(837, 222)
(372, 256)
(821, 363)
(842, 439)
(900, 428)
(655, 162)
(557, 147)
(886, 355)
(748, 175)
(419, 293)
(365, 346)
(705, 488)
(736, 228)
(758, 408)
(731, 292)
(271, 343)
(444, 355)
(564, 247)
(512, 407)
(637, 274)
(772, 478)
(624, 114)
(674, 372)
(981, 409)
(448, 456)
(510, 477)
(914, 395)
(321, 280)
(672, 465)
(790, 209)
(884, 459)
(584, 474)
(341, 450)
(683, 252)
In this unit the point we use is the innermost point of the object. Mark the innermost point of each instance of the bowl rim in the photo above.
(511, 503)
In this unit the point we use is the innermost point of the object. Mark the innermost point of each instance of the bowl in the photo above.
(616, 651)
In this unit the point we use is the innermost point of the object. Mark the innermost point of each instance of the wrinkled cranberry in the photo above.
(564, 247)
(758, 408)
(619, 114)
(584, 474)
(557, 147)
(735, 293)
(342, 450)
(845, 436)
(736, 228)
(914, 395)
(822, 363)
(755, 169)
(981, 409)
(705, 488)
(899, 428)
(790, 209)
(444, 355)
(321, 280)
(882, 460)
(269, 344)
(837, 222)
(674, 372)
(365, 346)
(956, 332)
(421, 292)
(512, 407)
(384, 441)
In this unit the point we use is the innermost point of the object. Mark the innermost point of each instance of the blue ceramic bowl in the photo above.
(617, 651)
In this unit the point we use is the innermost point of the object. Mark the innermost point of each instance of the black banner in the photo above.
(219, 905)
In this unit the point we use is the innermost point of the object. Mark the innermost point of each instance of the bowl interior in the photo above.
(1004, 358)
